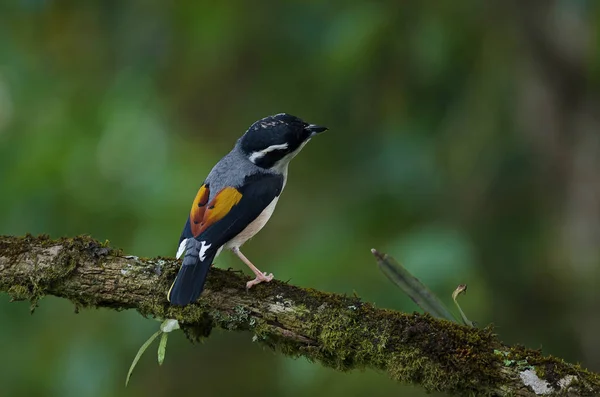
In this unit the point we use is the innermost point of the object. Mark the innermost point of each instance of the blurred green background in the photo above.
(464, 140)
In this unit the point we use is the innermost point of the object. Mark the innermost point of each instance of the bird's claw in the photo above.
(264, 277)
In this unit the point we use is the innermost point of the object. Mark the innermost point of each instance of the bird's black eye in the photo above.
(270, 139)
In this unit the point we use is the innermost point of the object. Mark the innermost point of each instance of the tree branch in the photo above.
(338, 331)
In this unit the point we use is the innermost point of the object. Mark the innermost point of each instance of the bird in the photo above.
(236, 200)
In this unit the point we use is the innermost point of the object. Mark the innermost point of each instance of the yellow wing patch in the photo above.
(215, 210)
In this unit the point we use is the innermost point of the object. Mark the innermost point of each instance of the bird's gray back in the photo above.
(231, 170)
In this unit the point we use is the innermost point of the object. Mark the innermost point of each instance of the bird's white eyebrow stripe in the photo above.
(261, 153)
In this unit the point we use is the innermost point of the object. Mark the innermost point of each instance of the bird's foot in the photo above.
(260, 277)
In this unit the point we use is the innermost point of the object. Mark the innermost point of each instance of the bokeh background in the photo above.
(464, 140)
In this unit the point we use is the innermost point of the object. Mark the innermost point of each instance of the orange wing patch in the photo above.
(213, 211)
(199, 206)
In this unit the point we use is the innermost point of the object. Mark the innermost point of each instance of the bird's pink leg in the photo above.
(260, 276)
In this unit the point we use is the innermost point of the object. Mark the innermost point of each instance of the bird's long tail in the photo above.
(191, 277)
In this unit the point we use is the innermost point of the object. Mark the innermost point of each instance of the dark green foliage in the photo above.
(462, 141)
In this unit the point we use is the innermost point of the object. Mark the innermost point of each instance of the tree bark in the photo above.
(338, 331)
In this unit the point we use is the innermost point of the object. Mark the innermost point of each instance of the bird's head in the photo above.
(273, 141)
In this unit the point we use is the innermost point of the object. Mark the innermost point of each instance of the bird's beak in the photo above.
(315, 129)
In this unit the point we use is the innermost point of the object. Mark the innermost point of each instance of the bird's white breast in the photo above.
(254, 226)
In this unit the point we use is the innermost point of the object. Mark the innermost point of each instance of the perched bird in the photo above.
(237, 199)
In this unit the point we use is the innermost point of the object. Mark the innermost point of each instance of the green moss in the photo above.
(33, 286)
(411, 366)
(338, 331)
(238, 319)
(356, 338)
(19, 293)
(348, 334)
(345, 333)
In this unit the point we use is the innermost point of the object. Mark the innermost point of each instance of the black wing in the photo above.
(257, 192)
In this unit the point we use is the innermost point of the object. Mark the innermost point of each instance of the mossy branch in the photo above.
(338, 331)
